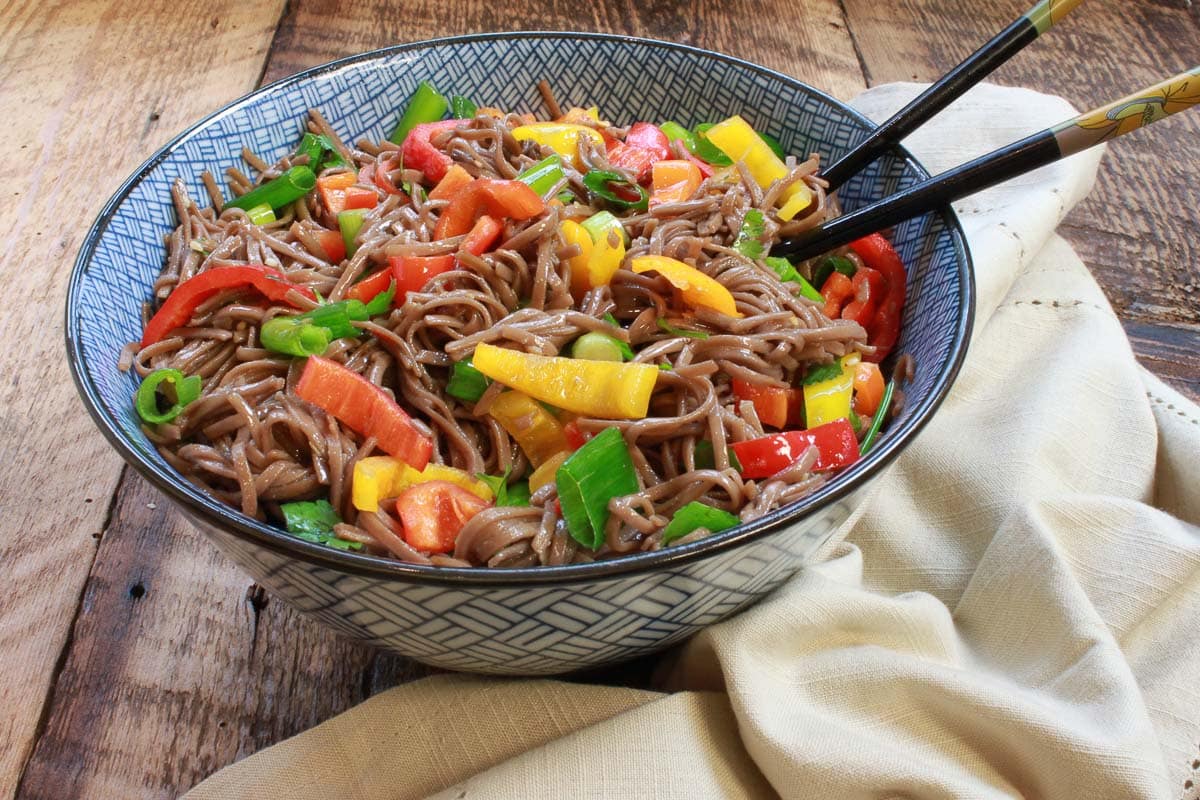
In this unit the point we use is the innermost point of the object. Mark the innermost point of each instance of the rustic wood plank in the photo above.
(180, 665)
(807, 40)
(1137, 230)
(90, 89)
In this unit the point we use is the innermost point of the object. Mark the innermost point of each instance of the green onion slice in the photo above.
(294, 336)
(599, 224)
(351, 222)
(673, 131)
(667, 327)
(165, 387)
(261, 214)
(462, 107)
(605, 184)
(425, 105)
(544, 175)
(827, 267)
(877, 422)
(707, 151)
(789, 274)
(593, 475)
(594, 346)
(697, 515)
(467, 383)
(278, 192)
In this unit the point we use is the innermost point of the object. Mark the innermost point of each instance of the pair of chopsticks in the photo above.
(1071, 136)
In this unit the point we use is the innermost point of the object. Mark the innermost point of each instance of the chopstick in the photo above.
(950, 86)
(1071, 136)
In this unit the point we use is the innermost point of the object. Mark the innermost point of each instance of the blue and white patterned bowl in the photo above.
(522, 621)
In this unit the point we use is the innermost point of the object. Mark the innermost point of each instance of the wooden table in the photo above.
(135, 659)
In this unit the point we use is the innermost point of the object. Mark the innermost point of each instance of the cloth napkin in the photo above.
(1013, 614)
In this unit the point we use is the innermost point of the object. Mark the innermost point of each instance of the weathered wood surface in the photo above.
(137, 659)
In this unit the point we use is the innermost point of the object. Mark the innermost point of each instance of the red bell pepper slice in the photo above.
(644, 145)
(364, 408)
(334, 245)
(413, 272)
(455, 179)
(878, 254)
(360, 197)
(497, 198)
(375, 283)
(433, 513)
(836, 290)
(419, 153)
(647, 136)
(576, 438)
(187, 296)
(483, 235)
(868, 288)
(835, 441)
(771, 403)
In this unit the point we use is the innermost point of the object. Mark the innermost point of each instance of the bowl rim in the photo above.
(201, 507)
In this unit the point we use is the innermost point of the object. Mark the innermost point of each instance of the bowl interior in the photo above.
(628, 79)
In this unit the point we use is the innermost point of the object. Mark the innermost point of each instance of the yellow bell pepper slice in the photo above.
(561, 137)
(380, 477)
(829, 400)
(573, 233)
(373, 480)
(697, 288)
(547, 472)
(577, 116)
(739, 141)
(605, 389)
(605, 259)
(536, 430)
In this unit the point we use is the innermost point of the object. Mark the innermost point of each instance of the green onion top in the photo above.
(544, 175)
(605, 184)
(594, 474)
(877, 422)
(164, 393)
(462, 107)
(594, 346)
(351, 222)
(789, 274)
(466, 383)
(667, 327)
(294, 336)
(425, 105)
(599, 224)
(697, 515)
(278, 192)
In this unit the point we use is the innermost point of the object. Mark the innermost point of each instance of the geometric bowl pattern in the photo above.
(526, 621)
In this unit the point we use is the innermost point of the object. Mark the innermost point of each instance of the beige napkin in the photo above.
(1013, 615)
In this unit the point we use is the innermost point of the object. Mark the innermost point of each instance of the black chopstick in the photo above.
(975, 68)
(1068, 137)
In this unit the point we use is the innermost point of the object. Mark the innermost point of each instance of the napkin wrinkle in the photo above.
(1007, 614)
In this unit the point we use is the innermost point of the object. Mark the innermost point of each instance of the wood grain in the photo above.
(89, 89)
(1137, 230)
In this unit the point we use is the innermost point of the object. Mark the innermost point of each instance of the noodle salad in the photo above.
(502, 340)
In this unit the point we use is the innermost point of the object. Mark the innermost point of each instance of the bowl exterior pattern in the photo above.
(490, 628)
(539, 630)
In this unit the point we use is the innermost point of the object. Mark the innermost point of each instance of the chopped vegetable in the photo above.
(455, 179)
(294, 336)
(179, 306)
(333, 244)
(361, 197)
(544, 175)
(868, 286)
(413, 273)
(370, 287)
(575, 436)
(837, 291)
(788, 273)
(165, 387)
(536, 430)
(573, 233)
(673, 181)
(616, 190)
(419, 153)
(696, 515)
(483, 236)
(350, 223)
(440, 472)
(507, 494)
(498, 198)
(741, 142)
(313, 521)
(365, 408)
(749, 238)
(885, 405)
(771, 403)
(424, 106)
(823, 372)
(261, 214)
(884, 330)
(697, 288)
(375, 478)
(706, 150)
(462, 107)
(829, 398)
(609, 240)
(836, 446)
(561, 137)
(546, 472)
(667, 327)
(332, 189)
(597, 346)
(594, 474)
(466, 383)
(704, 458)
(278, 192)
(644, 145)
(829, 265)
(676, 132)
(599, 224)
(591, 388)
(432, 514)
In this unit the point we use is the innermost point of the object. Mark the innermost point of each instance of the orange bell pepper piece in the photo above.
(673, 181)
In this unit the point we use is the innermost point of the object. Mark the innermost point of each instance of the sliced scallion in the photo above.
(294, 336)
(594, 346)
(544, 175)
(466, 383)
(789, 274)
(278, 192)
(425, 105)
(594, 474)
(606, 184)
(697, 515)
(351, 222)
(673, 131)
(599, 224)
(667, 327)
(462, 107)
(885, 404)
(261, 214)
(164, 393)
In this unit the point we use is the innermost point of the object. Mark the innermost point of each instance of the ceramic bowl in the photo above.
(520, 621)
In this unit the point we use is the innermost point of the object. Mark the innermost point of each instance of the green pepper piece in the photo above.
(599, 181)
